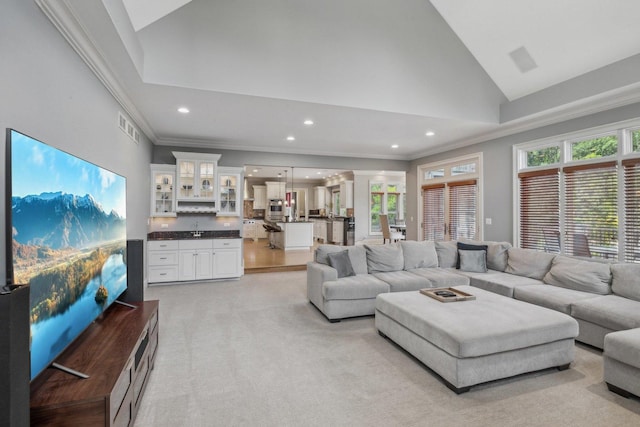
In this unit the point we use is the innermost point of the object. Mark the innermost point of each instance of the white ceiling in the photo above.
(370, 73)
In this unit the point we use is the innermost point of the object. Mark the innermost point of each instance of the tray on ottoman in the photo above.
(485, 339)
(447, 294)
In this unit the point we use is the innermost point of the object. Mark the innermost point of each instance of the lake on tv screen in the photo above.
(69, 242)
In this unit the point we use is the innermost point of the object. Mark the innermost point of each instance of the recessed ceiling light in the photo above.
(430, 133)
(308, 122)
(183, 110)
(255, 170)
(291, 138)
(307, 177)
(395, 146)
(318, 173)
(250, 174)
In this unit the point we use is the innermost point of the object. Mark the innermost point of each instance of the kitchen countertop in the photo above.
(188, 235)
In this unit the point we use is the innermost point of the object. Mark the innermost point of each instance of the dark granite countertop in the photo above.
(188, 235)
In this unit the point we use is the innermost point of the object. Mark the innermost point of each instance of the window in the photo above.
(451, 201)
(377, 196)
(386, 198)
(585, 203)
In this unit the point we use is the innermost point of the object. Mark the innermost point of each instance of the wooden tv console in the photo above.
(117, 351)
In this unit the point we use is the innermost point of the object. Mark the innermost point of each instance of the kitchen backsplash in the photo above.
(193, 222)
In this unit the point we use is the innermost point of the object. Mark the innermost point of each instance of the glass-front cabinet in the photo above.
(196, 181)
(229, 191)
(163, 200)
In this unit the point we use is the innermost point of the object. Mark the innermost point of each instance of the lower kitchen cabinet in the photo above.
(194, 259)
(227, 258)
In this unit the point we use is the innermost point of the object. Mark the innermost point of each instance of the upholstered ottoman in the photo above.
(621, 362)
(471, 342)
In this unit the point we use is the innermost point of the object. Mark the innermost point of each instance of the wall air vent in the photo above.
(127, 127)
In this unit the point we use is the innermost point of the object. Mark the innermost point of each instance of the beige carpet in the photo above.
(255, 352)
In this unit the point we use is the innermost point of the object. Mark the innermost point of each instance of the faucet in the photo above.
(196, 233)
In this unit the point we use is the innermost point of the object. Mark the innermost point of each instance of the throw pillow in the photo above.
(447, 253)
(473, 260)
(342, 263)
(470, 247)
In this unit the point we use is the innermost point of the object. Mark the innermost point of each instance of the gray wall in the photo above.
(498, 169)
(51, 95)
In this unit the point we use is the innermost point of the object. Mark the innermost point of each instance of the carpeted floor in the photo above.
(255, 352)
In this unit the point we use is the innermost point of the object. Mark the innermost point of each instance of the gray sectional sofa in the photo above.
(602, 297)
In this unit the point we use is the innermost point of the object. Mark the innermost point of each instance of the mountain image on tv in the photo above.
(68, 230)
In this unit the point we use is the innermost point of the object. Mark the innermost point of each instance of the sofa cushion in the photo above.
(419, 254)
(401, 281)
(381, 258)
(447, 253)
(499, 282)
(473, 260)
(610, 311)
(360, 286)
(497, 255)
(528, 263)
(441, 277)
(626, 280)
(623, 346)
(323, 251)
(553, 297)
(342, 263)
(580, 275)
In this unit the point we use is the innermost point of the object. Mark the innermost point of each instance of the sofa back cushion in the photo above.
(419, 254)
(626, 280)
(528, 263)
(357, 255)
(579, 275)
(497, 255)
(384, 258)
(447, 253)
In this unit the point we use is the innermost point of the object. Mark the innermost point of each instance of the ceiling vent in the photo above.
(523, 59)
(127, 127)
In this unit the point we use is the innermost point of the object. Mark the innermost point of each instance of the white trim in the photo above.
(62, 16)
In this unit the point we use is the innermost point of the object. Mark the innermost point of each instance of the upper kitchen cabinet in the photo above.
(163, 200)
(196, 181)
(346, 194)
(259, 197)
(275, 190)
(229, 188)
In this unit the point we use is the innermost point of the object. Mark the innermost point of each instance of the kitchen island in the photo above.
(294, 235)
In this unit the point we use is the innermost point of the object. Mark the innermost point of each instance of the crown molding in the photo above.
(590, 105)
(62, 16)
(210, 144)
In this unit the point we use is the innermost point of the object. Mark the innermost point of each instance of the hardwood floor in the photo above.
(259, 258)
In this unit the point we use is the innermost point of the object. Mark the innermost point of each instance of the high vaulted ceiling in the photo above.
(369, 73)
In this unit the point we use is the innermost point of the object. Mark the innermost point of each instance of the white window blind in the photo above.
(433, 212)
(591, 210)
(540, 210)
(632, 209)
(463, 206)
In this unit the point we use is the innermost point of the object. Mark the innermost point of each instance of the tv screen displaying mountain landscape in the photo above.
(68, 237)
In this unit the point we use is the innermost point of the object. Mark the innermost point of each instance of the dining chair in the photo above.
(581, 245)
(386, 231)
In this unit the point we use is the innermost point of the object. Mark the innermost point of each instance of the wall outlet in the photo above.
(164, 225)
(227, 224)
(487, 221)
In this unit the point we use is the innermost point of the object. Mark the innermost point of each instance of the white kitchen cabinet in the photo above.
(196, 259)
(320, 197)
(337, 230)
(275, 190)
(229, 186)
(162, 261)
(163, 199)
(259, 197)
(320, 230)
(227, 258)
(346, 194)
(261, 232)
(196, 181)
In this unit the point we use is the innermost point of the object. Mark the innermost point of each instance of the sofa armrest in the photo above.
(317, 274)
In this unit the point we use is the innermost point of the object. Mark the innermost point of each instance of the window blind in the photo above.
(433, 212)
(463, 205)
(540, 210)
(631, 169)
(591, 210)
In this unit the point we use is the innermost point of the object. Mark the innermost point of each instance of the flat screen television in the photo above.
(66, 239)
